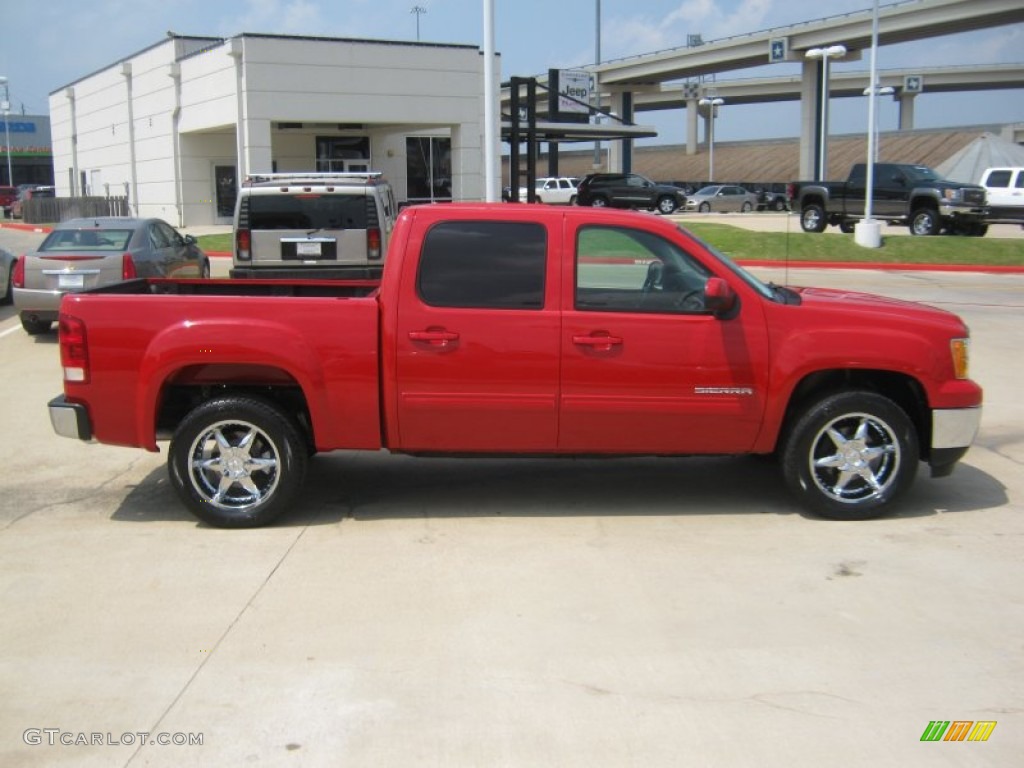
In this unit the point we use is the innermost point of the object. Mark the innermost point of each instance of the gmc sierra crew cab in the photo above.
(914, 196)
(529, 330)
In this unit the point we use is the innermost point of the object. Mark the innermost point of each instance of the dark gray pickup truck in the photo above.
(911, 195)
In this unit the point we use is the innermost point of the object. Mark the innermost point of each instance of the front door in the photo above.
(645, 368)
(477, 341)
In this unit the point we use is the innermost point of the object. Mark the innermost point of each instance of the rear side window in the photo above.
(484, 264)
(310, 211)
(999, 179)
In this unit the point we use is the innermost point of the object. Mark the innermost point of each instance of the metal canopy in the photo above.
(568, 132)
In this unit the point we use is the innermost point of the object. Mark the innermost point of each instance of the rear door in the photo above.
(477, 341)
(645, 369)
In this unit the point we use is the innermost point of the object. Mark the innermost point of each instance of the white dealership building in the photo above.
(176, 126)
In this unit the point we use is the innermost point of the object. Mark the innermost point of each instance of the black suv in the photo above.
(628, 190)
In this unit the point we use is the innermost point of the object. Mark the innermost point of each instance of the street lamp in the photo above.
(712, 106)
(832, 52)
(419, 10)
(6, 108)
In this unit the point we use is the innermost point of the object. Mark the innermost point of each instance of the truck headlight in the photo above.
(953, 195)
(960, 350)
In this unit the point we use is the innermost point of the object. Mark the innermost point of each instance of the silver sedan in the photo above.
(721, 198)
(87, 253)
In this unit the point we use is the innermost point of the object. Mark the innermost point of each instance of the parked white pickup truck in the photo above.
(1004, 192)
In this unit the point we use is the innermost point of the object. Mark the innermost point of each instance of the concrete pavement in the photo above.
(420, 612)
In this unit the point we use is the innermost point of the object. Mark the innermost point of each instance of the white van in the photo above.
(1004, 190)
(316, 225)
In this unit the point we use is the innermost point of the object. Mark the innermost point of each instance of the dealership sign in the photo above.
(573, 88)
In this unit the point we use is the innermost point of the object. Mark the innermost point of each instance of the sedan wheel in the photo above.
(747, 208)
(705, 208)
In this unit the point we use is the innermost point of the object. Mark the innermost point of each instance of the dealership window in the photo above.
(428, 163)
(342, 154)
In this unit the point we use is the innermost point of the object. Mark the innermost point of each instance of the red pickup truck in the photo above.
(518, 330)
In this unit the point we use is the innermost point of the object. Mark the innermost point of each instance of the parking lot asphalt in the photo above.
(435, 612)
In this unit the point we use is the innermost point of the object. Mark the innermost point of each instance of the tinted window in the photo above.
(485, 264)
(307, 211)
(999, 179)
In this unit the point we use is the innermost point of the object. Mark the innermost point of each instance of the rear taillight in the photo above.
(373, 243)
(18, 276)
(128, 268)
(74, 350)
(243, 244)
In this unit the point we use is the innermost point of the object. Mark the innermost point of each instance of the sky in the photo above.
(45, 46)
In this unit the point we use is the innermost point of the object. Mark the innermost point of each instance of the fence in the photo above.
(50, 210)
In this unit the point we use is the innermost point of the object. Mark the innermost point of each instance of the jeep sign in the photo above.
(573, 84)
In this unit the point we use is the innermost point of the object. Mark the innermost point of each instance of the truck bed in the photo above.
(297, 288)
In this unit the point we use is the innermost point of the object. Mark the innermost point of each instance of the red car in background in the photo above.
(7, 197)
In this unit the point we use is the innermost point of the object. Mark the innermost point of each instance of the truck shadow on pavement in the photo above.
(378, 486)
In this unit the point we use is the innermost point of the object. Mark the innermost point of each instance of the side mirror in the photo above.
(719, 297)
(190, 240)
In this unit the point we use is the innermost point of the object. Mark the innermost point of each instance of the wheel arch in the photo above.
(192, 385)
(902, 389)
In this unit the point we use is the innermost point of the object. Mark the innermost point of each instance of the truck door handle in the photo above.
(436, 337)
(598, 342)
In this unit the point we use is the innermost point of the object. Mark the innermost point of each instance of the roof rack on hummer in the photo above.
(316, 176)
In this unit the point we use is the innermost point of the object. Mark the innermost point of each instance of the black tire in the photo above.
(813, 218)
(599, 201)
(237, 462)
(705, 208)
(666, 205)
(747, 208)
(34, 326)
(849, 455)
(925, 222)
(978, 230)
(846, 227)
(204, 269)
(779, 205)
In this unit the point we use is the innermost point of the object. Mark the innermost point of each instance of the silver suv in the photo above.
(316, 225)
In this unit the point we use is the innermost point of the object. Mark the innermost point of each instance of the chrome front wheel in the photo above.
(850, 455)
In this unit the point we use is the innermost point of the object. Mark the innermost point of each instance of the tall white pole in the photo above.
(491, 137)
(868, 197)
(868, 232)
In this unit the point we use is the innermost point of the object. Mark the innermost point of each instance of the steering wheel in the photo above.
(690, 301)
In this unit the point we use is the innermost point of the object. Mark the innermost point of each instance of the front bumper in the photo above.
(953, 431)
(69, 419)
(962, 211)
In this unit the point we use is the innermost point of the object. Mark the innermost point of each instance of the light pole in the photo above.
(878, 90)
(832, 52)
(6, 108)
(419, 10)
(712, 105)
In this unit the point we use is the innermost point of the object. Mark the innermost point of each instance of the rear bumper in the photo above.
(953, 431)
(69, 419)
(44, 303)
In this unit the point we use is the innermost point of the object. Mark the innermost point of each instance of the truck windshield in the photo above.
(736, 269)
